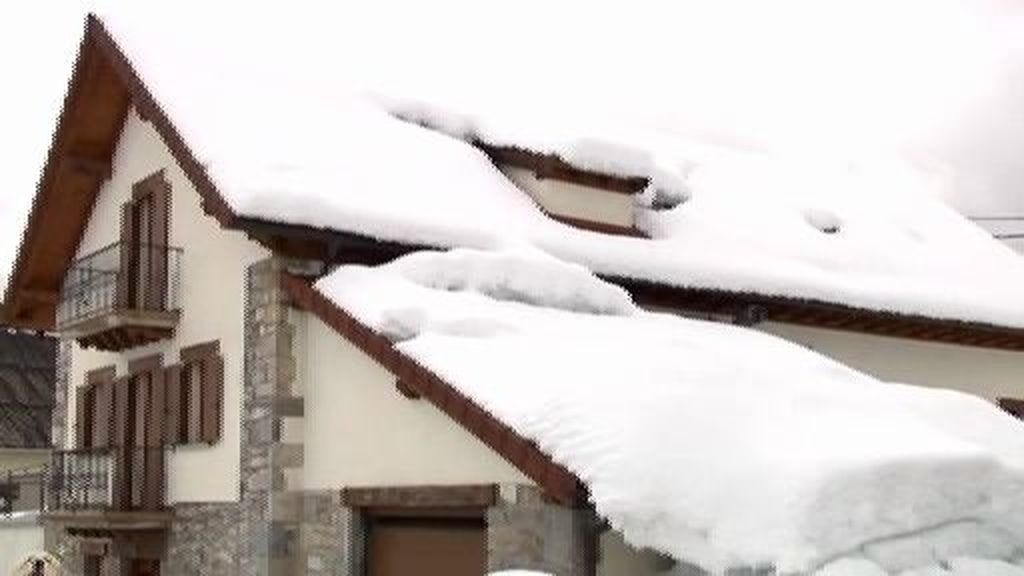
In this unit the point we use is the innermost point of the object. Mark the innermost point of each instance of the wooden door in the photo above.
(143, 567)
(143, 281)
(426, 547)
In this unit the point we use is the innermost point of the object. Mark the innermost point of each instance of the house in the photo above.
(230, 401)
(26, 403)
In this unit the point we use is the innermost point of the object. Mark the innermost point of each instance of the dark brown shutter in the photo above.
(213, 395)
(155, 430)
(172, 426)
(103, 415)
(140, 388)
(122, 461)
(127, 252)
(156, 417)
(159, 198)
(194, 380)
(83, 417)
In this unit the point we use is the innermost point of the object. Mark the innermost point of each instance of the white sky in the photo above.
(941, 80)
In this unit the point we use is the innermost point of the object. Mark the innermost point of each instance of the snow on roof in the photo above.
(716, 444)
(286, 133)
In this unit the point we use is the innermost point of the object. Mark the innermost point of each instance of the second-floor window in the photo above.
(144, 243)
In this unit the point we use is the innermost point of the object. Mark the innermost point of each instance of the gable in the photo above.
(361, 431)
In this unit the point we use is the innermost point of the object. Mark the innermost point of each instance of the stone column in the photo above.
(271, 498)
(332, 536)
(525, 532)
(62, 380)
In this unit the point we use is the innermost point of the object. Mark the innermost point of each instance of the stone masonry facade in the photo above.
(271, 501)
(526, 532)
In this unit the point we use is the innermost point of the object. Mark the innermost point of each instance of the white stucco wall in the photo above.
(212, 288)
(568, 199)
(985, 372)
(616, 558)
(360, 431)
(18, 539)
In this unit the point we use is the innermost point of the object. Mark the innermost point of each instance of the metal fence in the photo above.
(92, 479)
(80, 480)
(121, 276)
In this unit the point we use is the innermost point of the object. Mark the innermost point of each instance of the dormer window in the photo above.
(582, 199)
(126, 294)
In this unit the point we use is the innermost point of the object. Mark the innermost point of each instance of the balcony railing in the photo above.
(88, 482)
(125, 295)
(122, 276)
(80, 480)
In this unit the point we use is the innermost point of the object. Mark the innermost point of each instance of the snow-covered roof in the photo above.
(716, 444)
(287, 133)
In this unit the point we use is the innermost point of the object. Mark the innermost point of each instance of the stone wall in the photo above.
(203, 541)
(62, 379)
(332, 536)
(526, 532)
(271, 508)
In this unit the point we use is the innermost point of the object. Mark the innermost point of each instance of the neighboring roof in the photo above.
(716, 444)
(27, 373)
(320, 178)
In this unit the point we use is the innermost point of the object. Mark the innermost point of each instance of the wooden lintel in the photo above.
(465, 496)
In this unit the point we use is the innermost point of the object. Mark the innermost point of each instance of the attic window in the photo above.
(577, 204)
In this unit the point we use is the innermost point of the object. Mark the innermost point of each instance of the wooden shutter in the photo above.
(213, 397)
(122, 462)
(173, 405)
(151, 206)
(125, 284)
(140, 390)
(103, 414)
(83, 417)
(194, 409)
(100, 406)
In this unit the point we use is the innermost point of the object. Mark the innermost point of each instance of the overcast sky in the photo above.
(956, 71)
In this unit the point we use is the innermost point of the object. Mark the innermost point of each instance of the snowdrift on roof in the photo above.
(284, 133)
(716, 444)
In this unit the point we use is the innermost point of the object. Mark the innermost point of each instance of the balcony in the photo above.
(122, 296)
(116, 490)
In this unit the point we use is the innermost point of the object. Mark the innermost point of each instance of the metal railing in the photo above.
(80, 480)
(115, 479)
(121, 276)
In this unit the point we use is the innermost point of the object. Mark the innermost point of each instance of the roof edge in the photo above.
(97, 42)
(414, 379)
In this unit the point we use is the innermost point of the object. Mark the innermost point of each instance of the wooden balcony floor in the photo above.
(122, 329)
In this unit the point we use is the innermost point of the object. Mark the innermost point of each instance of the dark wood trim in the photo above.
(825, 315)
(150, 184)
(598, 227)
(173, 405)
(355, 249)
(98, 375)
(1013, 406)
(558, 482)
(199, 352)
(145, 364)
(421, 497)
(553, 167)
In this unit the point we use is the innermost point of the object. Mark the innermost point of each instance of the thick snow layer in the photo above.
(285, 134)
(719, 445)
